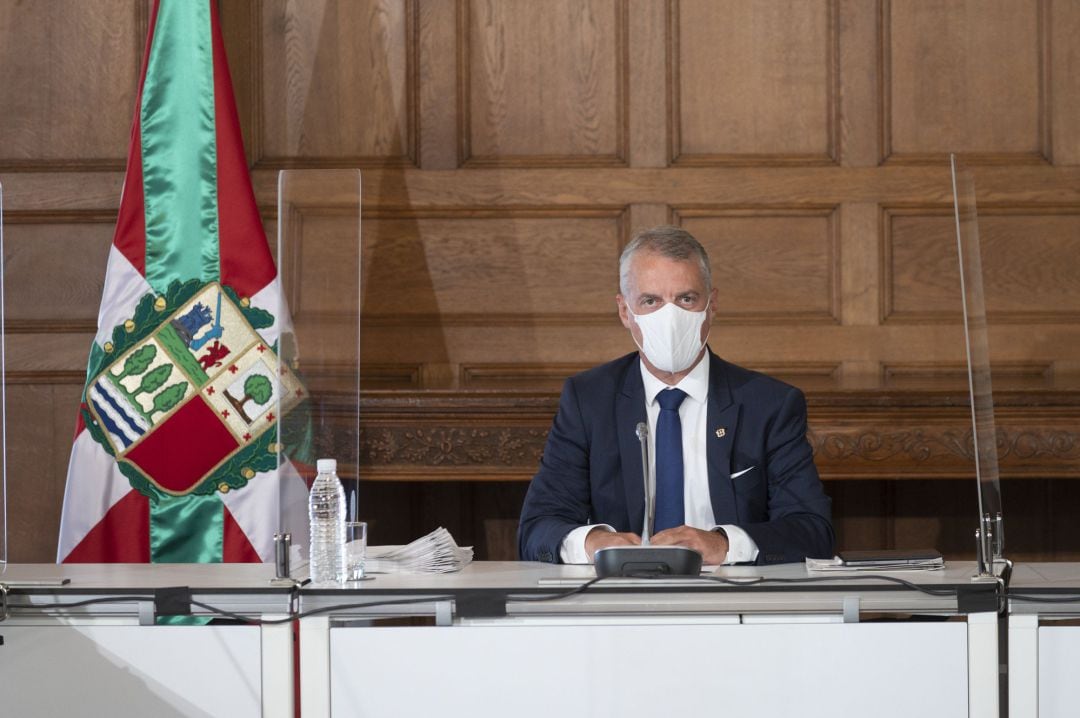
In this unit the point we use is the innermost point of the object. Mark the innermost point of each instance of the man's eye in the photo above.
(648, 301)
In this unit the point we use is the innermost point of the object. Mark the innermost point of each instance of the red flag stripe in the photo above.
(130, 235)
(80, 423)
(246, 265)
(122, 536)
(236, 547)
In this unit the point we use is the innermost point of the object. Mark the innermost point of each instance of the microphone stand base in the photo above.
(647, 561)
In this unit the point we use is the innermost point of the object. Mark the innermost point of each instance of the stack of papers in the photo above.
(435, 553)
(886, 564)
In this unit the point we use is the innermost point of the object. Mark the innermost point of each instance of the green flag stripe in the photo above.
(187, 529)
(179, 150)
(178, 139)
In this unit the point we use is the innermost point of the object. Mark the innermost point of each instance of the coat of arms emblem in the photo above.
(189, 401)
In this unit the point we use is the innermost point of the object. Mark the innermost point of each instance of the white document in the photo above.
(435, 553)
(837, 564)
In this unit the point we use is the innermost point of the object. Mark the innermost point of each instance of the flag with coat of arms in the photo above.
(176, 454)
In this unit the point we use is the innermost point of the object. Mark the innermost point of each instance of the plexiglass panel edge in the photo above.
(318, 256)
(977, 346)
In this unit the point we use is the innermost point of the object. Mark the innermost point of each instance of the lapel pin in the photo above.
(720, 432)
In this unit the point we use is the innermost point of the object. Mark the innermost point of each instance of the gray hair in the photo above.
(668, 241)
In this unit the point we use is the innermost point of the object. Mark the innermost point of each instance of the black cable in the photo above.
(556, 596)
(316, 611)
(229, 614)
(754, 581)
(757, 581)
(79, 604)
(1070, 598)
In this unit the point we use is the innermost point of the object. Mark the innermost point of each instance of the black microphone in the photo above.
(647, 561)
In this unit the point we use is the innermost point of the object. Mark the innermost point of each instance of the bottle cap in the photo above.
(326, 466)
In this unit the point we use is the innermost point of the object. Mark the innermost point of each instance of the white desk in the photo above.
(1044, 654)
(109, 659)
(630, 648)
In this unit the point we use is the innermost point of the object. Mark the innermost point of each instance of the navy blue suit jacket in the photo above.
(591, 469)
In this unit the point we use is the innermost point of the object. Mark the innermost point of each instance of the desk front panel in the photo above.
(57, 668)
(676, 666)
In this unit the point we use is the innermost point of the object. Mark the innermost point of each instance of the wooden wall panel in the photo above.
(454, 268)
(754, 82)
(322, 62)
(938, 514)
(389, 376)
(437, 102)
(544, 377)
(47, 265)
(544, 83)
(70, 75)
(1063, 21)
(1028, 257)
(322, 263)
(47, 357)
(41, 423)
(769, 263)
(965, 76)
(922, 514)
(1033, 375)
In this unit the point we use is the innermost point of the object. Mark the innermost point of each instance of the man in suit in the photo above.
(734, 473)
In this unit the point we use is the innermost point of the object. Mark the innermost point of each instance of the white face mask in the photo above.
(671, 336)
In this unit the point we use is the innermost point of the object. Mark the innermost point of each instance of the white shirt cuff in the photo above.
(573, 550)
(741, 548)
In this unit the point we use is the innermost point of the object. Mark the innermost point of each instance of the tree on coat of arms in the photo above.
(257, 388)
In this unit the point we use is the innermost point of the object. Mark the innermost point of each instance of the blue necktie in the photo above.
(669, 461)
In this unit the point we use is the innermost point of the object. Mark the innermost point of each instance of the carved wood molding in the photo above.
(476, 435)
(946, 452)
(489, 446)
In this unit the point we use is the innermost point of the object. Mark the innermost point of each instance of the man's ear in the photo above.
(624, 310)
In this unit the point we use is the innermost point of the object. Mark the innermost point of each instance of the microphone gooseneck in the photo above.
(642, 431)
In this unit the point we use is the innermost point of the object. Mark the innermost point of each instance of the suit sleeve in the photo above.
(558, 499)
(799, 521)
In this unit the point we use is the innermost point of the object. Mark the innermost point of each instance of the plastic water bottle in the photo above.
(326, 510)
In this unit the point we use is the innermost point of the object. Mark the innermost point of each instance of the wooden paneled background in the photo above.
(509, 148)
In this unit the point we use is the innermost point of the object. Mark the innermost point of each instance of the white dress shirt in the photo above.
(698, 511)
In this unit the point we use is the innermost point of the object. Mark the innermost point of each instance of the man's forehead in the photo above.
(651, 271)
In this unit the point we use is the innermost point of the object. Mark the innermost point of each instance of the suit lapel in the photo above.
(722, 422)
(629, 411)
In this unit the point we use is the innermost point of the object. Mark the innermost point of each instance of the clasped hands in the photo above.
(712, 545)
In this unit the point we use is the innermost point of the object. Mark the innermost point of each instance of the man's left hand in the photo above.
(712, 545)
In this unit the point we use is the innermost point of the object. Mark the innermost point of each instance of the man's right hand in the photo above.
(600, 538)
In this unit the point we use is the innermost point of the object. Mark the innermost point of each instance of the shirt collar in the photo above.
(695, 384)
